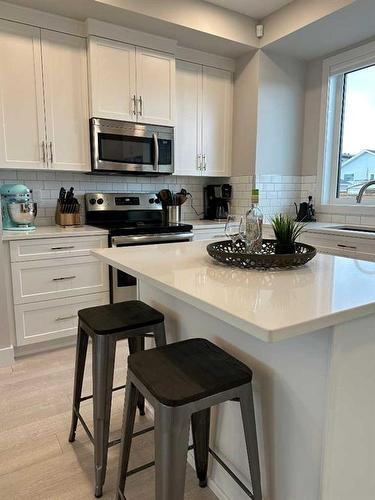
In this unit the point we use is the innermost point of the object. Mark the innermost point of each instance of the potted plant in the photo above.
(286, 230)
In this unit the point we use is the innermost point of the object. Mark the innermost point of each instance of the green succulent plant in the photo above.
(286, 230)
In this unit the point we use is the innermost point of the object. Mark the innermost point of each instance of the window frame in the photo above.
(333, 92)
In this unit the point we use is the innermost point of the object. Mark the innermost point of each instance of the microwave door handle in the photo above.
(156, 152)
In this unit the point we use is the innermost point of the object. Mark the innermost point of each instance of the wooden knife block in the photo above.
(66, 219)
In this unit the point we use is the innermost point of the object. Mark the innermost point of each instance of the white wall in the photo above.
(313, 91)
(245, 112)
(280, 115)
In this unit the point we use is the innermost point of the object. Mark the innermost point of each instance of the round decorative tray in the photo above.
(235, 255)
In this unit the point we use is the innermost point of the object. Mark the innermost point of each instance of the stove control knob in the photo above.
(92, 201)
(151, 200)
(157, 201)
(100, 201)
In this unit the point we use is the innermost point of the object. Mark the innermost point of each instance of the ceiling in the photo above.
(257, 9)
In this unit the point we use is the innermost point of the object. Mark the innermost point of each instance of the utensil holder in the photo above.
(174, 214)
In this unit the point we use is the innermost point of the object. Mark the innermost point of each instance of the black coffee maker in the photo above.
(216, 198)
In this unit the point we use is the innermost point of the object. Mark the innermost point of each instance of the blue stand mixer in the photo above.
(17, 207)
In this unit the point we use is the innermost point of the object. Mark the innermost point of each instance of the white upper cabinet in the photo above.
(204, 103)
(155, 87)
(66, 101)
(112, 79)
(22, 129)
(217, 121)
(43, 99)
(188, 135)
(131, 83)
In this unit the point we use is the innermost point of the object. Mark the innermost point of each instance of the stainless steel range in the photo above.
(131, 219)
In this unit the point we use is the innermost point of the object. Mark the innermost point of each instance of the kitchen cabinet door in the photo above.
(66, 101)
(112, 79)
(22, 133)
(156, 73)
(216, 121)
(188, 134)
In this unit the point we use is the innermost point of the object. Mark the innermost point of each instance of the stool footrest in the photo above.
(231, 473)
(146, 466)
(115, 441)
(118, 388)
(135, 434)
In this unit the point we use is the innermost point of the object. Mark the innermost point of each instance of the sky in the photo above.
(359, 117)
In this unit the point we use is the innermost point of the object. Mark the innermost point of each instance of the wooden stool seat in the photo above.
(120, 317)
(180, 373)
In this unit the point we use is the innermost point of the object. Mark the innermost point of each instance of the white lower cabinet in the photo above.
(52, 319)
(345, 246)
(52, 279)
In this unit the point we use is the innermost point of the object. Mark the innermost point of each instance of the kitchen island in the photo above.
(307, 334)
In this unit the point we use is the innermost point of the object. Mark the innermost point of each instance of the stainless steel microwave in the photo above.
(127, 147)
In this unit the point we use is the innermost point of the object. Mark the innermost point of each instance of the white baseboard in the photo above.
(6, 356)
(50, 345)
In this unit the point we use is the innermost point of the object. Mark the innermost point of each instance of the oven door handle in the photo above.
(149, 238)
(156, 152)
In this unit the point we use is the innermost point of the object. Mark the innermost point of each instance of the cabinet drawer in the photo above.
(57, 278)
(53, 248)
(53, 319)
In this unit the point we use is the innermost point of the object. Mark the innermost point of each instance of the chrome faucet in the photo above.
(363, 189)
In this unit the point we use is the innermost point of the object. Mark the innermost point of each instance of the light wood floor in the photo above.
(36, 459)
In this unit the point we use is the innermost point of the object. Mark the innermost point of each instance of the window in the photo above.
(349, 135)
(346, 178)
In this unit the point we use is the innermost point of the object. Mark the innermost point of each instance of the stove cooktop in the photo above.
(142, 228)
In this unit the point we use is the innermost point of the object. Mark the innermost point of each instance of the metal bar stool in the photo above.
(182, 381)
(132, 320)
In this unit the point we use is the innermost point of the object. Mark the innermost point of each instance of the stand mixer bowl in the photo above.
(23, 213)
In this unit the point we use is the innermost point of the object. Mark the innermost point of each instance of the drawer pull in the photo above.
(62, 318)
(64, 278)
(62, 248)
(346, 246)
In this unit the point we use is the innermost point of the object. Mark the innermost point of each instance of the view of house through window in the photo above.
(357, 141)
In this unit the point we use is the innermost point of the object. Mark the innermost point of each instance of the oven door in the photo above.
(131, 147)
(123, 285)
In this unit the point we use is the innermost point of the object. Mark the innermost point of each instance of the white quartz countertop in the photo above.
(52, 232)
(270, 305)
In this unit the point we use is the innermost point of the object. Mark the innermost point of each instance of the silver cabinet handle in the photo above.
(346, 246)
(51, 151)
(64, 278)
(156, 151)
(140, 106)
(199, 162)
(43, 152)
(61, 318)
(134, 99)
(204, 162)
(62, 248)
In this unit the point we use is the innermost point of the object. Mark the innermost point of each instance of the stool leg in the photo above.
(130, 407)
(249, 425)
(81, 351)
(201, 434)
(137, 344)
(103, 368)
(171, 447)
(159, 334)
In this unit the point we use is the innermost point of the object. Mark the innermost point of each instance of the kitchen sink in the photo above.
(359, 229)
